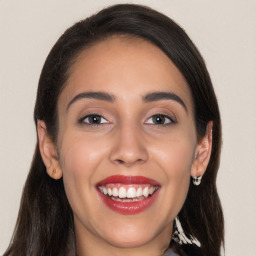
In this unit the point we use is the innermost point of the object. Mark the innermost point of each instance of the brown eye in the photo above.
(94, 119)
(160, 119)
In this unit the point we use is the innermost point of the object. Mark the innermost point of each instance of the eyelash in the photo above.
(82, 120)
(170, 120)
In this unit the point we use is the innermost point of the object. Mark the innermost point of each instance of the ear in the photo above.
(203, 153)
(48, 151)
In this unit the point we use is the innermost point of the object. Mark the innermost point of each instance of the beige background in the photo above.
(225, 33)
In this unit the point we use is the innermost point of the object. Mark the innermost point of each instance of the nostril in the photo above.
(120, 161)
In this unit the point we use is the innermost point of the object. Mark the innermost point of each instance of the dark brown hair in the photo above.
(45, 220)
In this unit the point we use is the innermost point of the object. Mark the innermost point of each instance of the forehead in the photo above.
(124, 66)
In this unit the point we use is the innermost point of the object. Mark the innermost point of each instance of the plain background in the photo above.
(225, 33)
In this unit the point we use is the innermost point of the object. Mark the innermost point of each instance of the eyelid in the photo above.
(82, 120)
(172, 120)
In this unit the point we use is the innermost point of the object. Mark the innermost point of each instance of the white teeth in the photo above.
(139, 192)
(131, 193)
(109, 192)
(151, 190)
(115, 192)
(145, 192)
(122, 192)
(104, 191)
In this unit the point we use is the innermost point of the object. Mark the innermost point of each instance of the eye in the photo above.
(160, 119)
(93, 119)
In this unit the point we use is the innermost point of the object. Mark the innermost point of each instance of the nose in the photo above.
(129, 147)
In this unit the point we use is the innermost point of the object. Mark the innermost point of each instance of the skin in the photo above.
(126, 142)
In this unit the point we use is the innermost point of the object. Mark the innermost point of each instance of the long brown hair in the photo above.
(45, 221)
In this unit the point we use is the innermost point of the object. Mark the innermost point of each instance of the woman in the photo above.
(128, 148)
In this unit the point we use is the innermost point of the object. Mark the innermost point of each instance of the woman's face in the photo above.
(126, 142)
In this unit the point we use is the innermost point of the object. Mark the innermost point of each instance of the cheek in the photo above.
(79, 160)
(78, 153)
(174, 156)
(175, 153)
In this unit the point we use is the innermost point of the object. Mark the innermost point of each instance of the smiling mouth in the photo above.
(128, 194)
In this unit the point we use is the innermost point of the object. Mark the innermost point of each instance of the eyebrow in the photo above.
(156, 96)
(150, 97)
(92, 95)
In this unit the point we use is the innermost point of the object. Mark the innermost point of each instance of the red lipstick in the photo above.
(128, 194)
(128, 180)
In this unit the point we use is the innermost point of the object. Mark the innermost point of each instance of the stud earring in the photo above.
(197, 180)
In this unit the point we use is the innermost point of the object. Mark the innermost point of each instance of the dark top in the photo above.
(183, 250)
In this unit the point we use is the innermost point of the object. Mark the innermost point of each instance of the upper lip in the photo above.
(122, 179)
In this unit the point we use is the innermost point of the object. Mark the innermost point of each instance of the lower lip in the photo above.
(129, 208)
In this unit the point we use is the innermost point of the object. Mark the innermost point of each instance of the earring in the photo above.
(180, 237)
(197, 180)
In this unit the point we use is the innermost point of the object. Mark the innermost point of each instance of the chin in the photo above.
(129, 240)
(132, 235)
